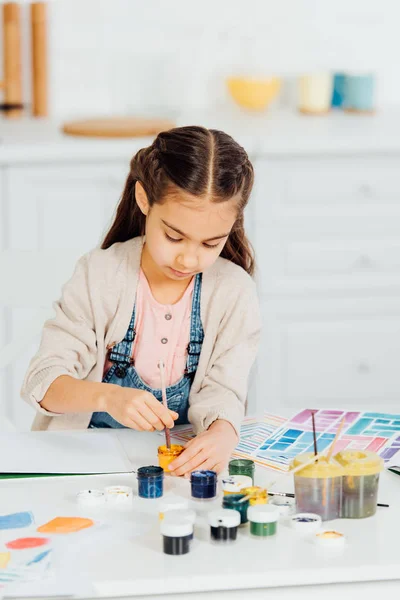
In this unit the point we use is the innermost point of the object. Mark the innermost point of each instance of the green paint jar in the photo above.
(233, 502)
(242, 466)
(263, 519)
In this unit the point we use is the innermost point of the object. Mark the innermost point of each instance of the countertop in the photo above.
(132, 563)
(274, 133)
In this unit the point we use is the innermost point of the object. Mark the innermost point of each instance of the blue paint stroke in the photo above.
(38, 557)
(16, 520)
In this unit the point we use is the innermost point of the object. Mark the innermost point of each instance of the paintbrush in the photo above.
(335, 439)
(314, 432)
(164, 401)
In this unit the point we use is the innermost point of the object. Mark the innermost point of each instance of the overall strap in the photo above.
(196, 330)
(121, 353)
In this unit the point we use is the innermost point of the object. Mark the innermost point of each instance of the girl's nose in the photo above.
(188, 261)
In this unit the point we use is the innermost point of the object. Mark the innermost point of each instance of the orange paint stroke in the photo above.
(4, 559)
(27, 542)
(65, 525)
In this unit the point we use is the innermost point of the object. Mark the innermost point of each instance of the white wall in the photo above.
(116, 56)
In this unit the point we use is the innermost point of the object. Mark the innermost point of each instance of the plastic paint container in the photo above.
(257, 495)
(360, 483)
(150, 482)
(318, 487)
(118, 495)
(263, 519)
(177, 534)
(330, 539)
(224, 524)
(167, 455)
(91, 498)
(172, 503)
(306, 523)
(242, 466)
(284, 505)
(203, 484)
(234, 483)
(232, 502)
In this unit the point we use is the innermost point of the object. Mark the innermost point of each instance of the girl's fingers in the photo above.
(149, 415)
(206, 465)
(139, 423)
(196, 459)
(187, 455)
(163, 413)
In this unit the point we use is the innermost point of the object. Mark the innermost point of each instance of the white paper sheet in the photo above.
(62, 452)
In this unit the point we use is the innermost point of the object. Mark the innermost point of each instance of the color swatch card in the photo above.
(372, 431)
(272, 441)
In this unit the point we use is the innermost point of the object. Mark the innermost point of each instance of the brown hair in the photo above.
(199, 161)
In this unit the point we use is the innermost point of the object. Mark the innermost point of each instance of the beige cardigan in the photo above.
(94, 313)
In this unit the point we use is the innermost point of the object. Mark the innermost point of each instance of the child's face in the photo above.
(185, 235)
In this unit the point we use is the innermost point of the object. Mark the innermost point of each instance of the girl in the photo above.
(171, 282)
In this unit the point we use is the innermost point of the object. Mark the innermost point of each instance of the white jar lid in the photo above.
(263, 513)
(235, 483)
(330, 539)
(173, 503)
(284, 505)
(174, 526)
(224, 517)
(188, 514)
(90, 497)
(306, 522)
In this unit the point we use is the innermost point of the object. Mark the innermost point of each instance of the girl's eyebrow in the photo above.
(216, 237)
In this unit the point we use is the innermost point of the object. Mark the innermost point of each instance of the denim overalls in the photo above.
(122, 371)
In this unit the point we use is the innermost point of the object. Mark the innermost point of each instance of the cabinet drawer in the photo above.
(340, 257)
(343, 361)
(344, 182)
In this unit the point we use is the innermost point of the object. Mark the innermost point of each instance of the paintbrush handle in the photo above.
(164, 401)
(335, 439)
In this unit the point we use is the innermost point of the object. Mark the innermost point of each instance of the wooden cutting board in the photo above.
(117, 127)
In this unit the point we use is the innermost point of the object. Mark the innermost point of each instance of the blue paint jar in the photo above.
(204, 484)
(150, 482)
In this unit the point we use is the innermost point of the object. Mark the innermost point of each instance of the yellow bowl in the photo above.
(253, 94)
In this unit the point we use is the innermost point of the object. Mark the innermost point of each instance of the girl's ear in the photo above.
(141, 198)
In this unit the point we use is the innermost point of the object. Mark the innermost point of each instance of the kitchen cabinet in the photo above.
(324, 219)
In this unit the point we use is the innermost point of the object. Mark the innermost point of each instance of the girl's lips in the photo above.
(180, 273)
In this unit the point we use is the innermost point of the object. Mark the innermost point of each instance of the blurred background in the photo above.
(310, 88)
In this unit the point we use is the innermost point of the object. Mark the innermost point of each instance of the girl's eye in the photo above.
(171, 239)
(211, 245)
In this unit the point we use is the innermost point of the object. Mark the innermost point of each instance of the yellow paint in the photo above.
(357, 463)
(65, 525)
(257, 495)
(167, 455)
(330, 535)
(322, 469)
(4, 559)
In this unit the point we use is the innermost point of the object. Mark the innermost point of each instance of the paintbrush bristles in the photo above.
(164, 401)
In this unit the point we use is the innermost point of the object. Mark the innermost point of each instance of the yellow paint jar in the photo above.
(257, 495)
(167, 455)
(318, 487)
(232, 484)
(360, 482)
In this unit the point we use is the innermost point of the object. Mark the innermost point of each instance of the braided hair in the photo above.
(202, 162)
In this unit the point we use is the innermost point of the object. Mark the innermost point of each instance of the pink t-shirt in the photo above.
(162, 333)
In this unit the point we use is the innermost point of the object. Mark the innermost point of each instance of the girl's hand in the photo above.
(209, 450)
(137, 409)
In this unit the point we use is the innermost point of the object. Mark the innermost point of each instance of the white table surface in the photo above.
(120, 561)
